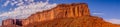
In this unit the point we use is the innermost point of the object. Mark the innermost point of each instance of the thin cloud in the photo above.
(97, 13)
(6, 3)
(114, 21)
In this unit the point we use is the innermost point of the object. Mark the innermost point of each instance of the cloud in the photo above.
(23, 11)
(114, 21)
(98, 13)
(17, 2)
(6, 3)
(13, 3)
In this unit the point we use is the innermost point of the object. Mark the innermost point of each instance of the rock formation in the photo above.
(12, 23)
(8, 22)
(63, 15)
(83, 21)
(61, 11)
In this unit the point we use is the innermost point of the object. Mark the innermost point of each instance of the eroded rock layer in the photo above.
(60, 11)
(83, 21)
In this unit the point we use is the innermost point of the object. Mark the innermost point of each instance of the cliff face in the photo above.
(63, 15)
(61, 11)
(8, 22)
(12, 22)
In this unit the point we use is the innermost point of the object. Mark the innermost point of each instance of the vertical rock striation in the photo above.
(60, 11)
(12, 22)
(8, 22)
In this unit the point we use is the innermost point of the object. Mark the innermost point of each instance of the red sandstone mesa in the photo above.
(61, 11)
(8, 22)
(63, 15)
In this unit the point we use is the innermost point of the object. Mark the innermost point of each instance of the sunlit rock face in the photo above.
(8, 22)
(83, 21)
(61, 11)
(12, 22)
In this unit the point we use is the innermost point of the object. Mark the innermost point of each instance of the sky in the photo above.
(109, 10)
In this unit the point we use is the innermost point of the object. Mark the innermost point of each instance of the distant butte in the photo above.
(63, 15)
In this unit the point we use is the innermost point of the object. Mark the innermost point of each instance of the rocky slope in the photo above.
(83, 21)
(63, 15)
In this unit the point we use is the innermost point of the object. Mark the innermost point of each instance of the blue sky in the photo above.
(107, 9)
